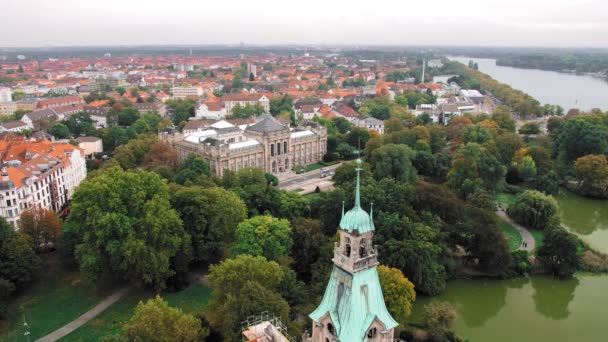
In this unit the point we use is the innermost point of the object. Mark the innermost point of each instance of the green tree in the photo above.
(534, 209)
(558, 252)
(529, 128)
(578, 137)
(80, 124)
(592, 175)
(395, 161)
(127, 227)
(191, 169)
(474, 168)
(263, 235)
(60, 131)
(210, 217)
(156, 321)
(411, 248)
(506, 146)
(241, 286)
(503, 118)
(307, 238)
(398, 292)
(19, 264)
(527, 169)
(127, 116)
(476, 133)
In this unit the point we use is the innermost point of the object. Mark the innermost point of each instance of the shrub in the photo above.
(534, 209)
(529, 128)
(593, 261)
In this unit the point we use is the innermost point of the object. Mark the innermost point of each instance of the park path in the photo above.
(523, 231)
(84, 318)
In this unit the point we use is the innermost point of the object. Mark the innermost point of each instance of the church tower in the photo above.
(353, 306)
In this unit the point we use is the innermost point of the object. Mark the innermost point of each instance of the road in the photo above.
(308, 179)
(530, 244)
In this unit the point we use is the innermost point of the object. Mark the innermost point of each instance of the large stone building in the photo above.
(266, 144)
(353, 308)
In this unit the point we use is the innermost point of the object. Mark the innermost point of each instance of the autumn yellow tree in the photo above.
(41, 225)
(398, 292)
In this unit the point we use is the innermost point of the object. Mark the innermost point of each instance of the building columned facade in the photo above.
(265, 144)
(38, 174)
(353, 308)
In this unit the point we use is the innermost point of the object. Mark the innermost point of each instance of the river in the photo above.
(548, 86)
(533, 309)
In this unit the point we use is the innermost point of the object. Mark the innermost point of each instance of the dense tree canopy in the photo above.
(535, 210)
(263, 236)
(127, 227)
(210, 216)
(592, 174)
(156, 321)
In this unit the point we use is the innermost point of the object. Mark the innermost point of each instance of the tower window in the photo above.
(362, 250)
(371, 333)
(330, 329)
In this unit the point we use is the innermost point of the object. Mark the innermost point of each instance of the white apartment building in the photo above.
(242, 99)
(183, 92)
(6, 95)
(38, 173)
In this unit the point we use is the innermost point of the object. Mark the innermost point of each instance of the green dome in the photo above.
(357, 220)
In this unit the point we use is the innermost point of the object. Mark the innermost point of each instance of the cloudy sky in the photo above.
(378, 22)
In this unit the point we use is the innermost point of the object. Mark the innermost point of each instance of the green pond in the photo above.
(533, 309)
(587, 218)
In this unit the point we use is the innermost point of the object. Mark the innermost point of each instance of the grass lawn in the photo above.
(505, 199)
(513, 237)
(54, 300)
(191, 300)
(538, 235)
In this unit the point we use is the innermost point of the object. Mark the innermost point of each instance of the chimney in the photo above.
(5, 175)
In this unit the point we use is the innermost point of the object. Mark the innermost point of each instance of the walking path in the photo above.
(527, 238)
(87, 316)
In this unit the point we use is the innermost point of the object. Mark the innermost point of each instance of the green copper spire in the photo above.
(358, 191)
(357, 219)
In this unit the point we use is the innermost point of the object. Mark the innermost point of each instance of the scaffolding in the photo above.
(263, 317)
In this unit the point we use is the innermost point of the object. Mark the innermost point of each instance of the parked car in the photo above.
(325, 169)
(323, 175)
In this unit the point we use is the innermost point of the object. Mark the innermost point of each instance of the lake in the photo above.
(538, 308)
(533, 309)
(585, 217)
(548, 86)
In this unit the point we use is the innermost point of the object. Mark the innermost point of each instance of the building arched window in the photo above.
(278, 148)
(371, 333)
(272, 150)
(362, 249)
(285, 147)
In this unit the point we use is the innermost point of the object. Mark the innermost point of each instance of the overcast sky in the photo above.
(378, 22)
